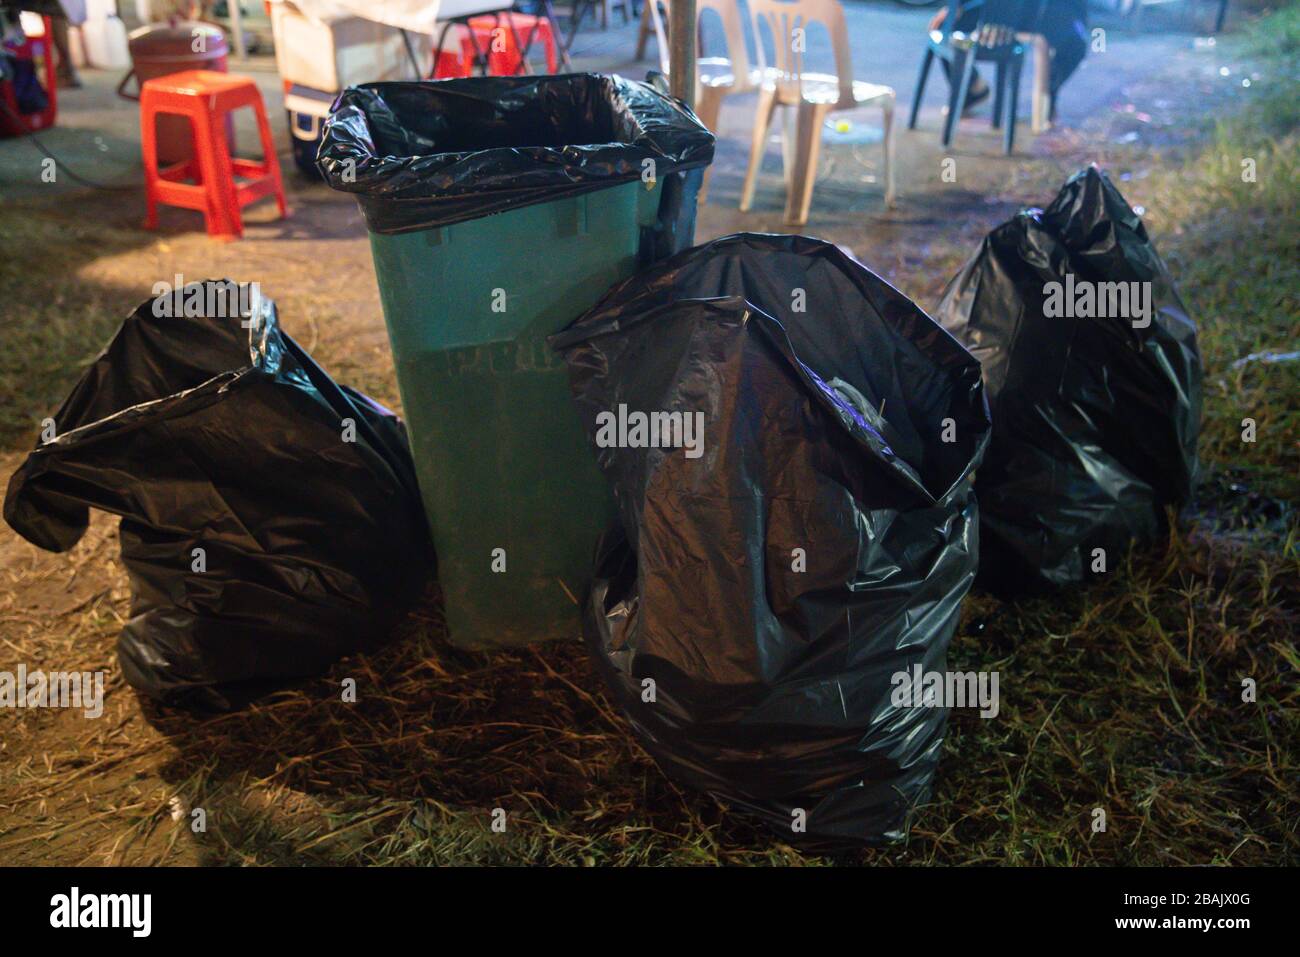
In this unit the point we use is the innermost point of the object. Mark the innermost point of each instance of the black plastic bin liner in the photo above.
(203, 434)
(424, 155)
(1095, 419)
(818, 545)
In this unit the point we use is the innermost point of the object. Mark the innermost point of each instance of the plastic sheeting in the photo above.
(270, 518)
(808, 547)
(1094, 380)
(423, 155)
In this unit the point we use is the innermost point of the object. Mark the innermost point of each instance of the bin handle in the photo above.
(121, 87)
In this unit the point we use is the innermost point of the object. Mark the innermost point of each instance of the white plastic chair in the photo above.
(813, 97)
(716, 77)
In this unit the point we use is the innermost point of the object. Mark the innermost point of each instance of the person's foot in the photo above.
(68, 80)
(979, 92)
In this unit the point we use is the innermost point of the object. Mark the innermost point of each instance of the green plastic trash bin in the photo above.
(501, 208)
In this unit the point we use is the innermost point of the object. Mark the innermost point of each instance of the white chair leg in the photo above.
(888, 145)
(644, 30)
(808, 151)
(1040, 113)
(789, 146)
(708, 107)
(762, 121)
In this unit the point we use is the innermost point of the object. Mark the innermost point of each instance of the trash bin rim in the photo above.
(408, 192)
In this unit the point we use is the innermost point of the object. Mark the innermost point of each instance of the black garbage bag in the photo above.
(1094, 381)
(801, 546)
(423, 155)
(298, 494)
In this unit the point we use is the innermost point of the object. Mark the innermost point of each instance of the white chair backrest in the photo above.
(788, 22)
(733, 31)
(661, 30)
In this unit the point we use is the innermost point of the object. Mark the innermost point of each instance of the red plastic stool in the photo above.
(205, 98)
(506, 61)
(456, 59)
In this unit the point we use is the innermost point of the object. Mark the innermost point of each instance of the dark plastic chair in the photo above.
(991, 40)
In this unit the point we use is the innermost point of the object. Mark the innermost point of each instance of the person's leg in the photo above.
(1068, 50)
(979, 90)
(67, 73)
(1065, 26)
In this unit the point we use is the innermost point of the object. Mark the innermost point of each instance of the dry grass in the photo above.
(1125, 697)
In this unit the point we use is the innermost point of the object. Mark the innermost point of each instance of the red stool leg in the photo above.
(270, 161)
(511, 32)
(149, 153)
(498, 60)
(468, 58)
(502, 53)
(213, 152)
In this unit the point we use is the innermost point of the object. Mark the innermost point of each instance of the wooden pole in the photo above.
(681, 50)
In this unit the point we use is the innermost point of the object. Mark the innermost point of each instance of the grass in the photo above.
(55, 322)
(1124, 697)
(1238, 265)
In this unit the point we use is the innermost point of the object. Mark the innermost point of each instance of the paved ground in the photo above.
(98, 135)
(317, 263)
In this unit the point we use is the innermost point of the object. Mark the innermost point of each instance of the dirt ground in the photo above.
(410, 789)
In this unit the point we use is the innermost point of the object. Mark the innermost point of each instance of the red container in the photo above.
(456, 57)
(531, 30)
(161, 49)
(34, 48)
(505, 61)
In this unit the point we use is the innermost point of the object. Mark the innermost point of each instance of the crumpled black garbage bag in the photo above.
(203, 434)
(1095, 421)
(423, 155)
(817, 546)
